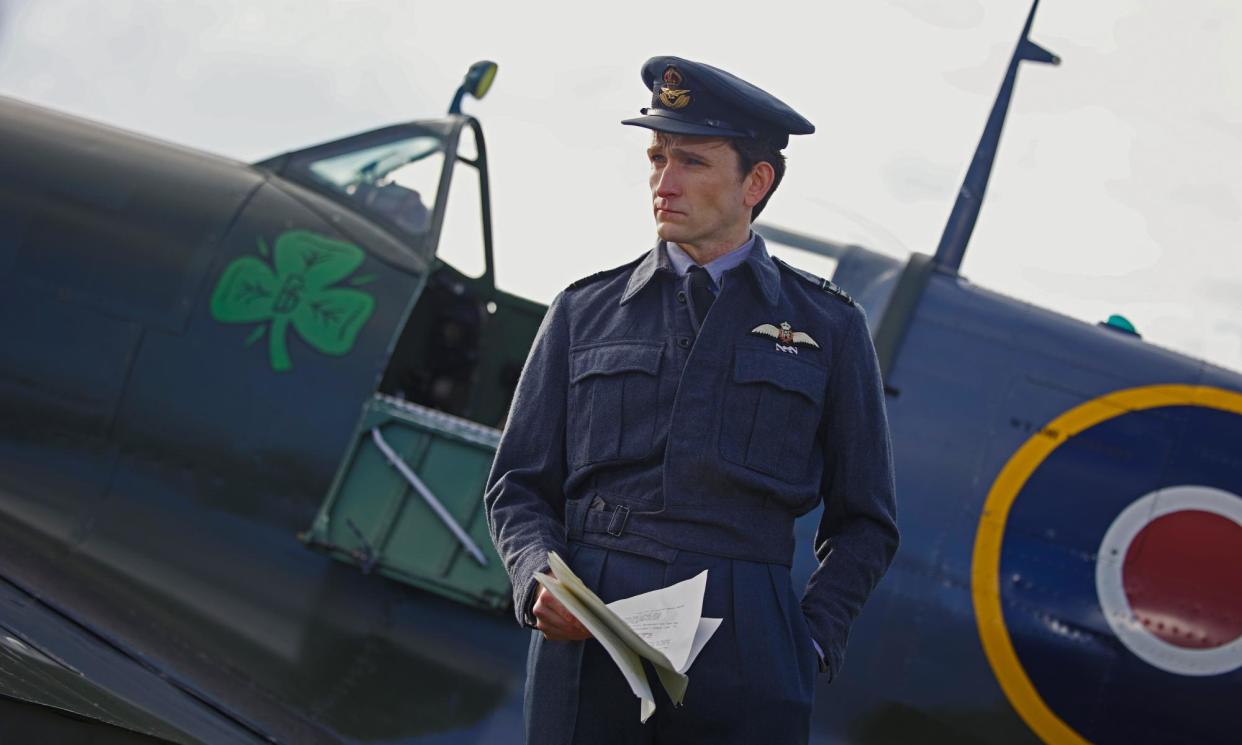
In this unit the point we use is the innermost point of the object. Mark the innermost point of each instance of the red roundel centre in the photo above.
(1183, 577)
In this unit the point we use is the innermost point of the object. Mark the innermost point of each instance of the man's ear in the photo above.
(757, 183)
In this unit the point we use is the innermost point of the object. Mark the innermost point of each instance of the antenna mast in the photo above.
(969, 198)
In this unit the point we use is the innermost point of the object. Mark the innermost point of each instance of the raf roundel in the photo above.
(1107, 565)
(1168, 578)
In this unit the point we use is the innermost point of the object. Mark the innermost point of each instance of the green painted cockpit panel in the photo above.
(373, 518)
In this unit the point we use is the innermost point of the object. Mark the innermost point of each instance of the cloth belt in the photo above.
(762, 534)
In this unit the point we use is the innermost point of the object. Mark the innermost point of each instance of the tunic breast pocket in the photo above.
(613, 401)
(772, 410)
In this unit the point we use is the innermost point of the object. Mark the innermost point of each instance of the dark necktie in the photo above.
(702, 291)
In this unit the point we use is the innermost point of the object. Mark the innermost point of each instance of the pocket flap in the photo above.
(780, 370)
(613, 359)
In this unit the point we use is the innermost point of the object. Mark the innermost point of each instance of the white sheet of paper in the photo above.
(664, 626)
(628, 662)
(707, 627)
(668, 619)
(610, 619)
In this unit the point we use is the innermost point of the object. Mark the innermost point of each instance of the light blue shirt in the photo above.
(681, 261)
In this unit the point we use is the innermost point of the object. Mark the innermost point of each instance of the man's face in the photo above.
(697, 195)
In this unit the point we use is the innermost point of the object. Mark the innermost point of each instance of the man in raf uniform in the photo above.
(677, 414)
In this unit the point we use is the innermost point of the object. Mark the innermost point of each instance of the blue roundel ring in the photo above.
(1007, 543)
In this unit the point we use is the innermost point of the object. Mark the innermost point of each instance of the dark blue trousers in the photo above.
(752, 684)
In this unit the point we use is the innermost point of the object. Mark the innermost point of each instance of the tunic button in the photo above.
(683, 342)
(681, 297)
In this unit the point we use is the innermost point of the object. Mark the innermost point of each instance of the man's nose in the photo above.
(664, 183)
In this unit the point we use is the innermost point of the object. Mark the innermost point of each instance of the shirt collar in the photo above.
(681, 261)
(756, 257)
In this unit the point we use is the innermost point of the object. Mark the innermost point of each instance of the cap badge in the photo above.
(787, 340)
(672, 95)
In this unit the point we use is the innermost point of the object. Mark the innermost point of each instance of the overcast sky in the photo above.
(1116, 190)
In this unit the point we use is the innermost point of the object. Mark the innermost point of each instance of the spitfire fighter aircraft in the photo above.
(247, 412)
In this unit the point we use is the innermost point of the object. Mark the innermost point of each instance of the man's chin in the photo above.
(669, 233)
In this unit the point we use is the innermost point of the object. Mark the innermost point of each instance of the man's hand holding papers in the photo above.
(663, 626)
(555, 620)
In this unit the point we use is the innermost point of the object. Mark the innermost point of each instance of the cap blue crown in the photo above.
(692, 98)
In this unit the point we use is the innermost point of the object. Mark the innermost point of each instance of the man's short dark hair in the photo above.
(752, 150)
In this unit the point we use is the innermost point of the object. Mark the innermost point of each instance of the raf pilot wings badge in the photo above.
(787, 340)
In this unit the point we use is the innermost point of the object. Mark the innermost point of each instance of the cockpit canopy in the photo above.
(392, 175)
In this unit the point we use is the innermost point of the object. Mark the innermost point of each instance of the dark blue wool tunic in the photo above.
(632, 429)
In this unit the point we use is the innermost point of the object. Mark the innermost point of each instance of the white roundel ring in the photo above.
(1175, 526)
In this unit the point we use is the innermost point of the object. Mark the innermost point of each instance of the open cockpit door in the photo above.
(407, 500)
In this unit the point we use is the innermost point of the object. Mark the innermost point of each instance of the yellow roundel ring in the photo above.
(985, 562)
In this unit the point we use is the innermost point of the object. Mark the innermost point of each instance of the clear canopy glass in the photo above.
(392, 175)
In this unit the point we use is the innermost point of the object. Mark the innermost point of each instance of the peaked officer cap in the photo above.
(691, 98)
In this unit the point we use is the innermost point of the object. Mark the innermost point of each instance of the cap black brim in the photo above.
(679, 127)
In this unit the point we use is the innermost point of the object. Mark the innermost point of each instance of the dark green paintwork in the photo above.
(89, 678)
(156, 473)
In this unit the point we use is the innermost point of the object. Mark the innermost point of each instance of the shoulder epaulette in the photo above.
(604, 274)
(826, 285)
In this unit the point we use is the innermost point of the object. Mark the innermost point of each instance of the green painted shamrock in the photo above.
(327, 318)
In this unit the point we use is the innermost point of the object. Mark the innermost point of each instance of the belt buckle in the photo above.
(616, 526)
